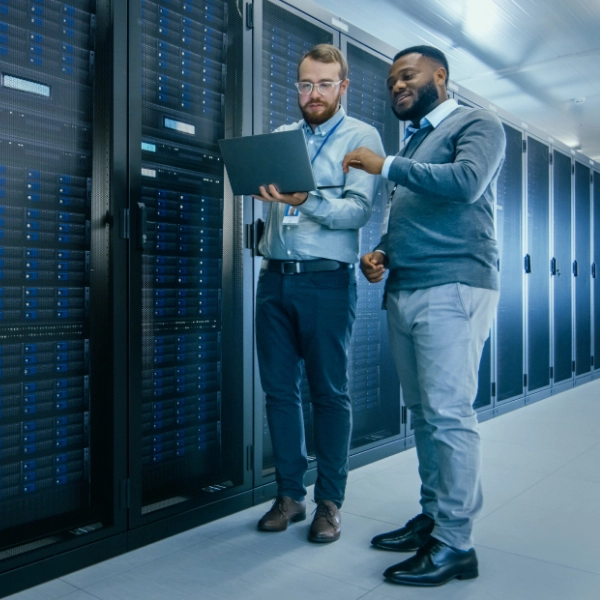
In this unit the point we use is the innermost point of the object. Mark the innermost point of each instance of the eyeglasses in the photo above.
(324, 88)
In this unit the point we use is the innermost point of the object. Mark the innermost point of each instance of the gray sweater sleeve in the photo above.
(479, 151)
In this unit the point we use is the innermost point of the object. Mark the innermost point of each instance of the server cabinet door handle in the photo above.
(593, 270)
(142, 226)
(527, 263)
(254, 232)
(553, 266)
(575, 269)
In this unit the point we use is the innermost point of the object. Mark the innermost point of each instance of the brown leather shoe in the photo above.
(283, 511)
(327, 523)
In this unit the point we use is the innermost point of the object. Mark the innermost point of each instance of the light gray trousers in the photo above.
(437, 336)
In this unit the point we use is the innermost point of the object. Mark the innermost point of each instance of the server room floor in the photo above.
(537, 538)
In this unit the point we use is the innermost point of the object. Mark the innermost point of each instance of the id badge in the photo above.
(291, 215)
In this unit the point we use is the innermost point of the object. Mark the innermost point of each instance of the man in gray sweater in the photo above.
(439, 245)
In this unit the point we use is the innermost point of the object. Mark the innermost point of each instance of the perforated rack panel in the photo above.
(374, 386)
(184, 52)
(46, 108)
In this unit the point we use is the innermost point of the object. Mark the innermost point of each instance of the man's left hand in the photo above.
(272, 195)
(364, 159)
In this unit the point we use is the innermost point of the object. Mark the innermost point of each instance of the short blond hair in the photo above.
(326, 53)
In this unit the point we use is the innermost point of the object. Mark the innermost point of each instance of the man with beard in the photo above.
(306, 298)
(441, 297)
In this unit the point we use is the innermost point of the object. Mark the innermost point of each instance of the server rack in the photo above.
(188, 435)
(57, 457)
(374, 386)
(282, 35)
(509, 322)
(537, 266)
(562, 319)
(486, 386)
(582, 271)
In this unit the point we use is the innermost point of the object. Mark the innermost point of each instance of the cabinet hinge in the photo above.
(404, 415)
(524, 145)
(573, 366)
(551, 372)
(525, 380)
(493, 389)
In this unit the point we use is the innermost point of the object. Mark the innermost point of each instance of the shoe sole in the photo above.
(294, 519)
(322, 540)
(413, 549)
(470, 574)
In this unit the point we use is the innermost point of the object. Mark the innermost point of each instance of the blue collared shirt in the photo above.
(433, 119)
(329, 219)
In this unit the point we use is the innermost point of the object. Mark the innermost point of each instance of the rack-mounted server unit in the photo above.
(374, 385)
(46, 111)
(179, 248)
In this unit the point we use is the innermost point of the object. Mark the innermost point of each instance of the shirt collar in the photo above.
(326, 127)
(434, 118)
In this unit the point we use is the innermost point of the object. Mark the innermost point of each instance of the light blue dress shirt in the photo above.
(433, 119)
(330, 220)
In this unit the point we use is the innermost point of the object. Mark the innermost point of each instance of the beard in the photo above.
(428, 94)
(319, 119)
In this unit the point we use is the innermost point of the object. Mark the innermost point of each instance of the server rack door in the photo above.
(510, 309)
(483, 399)
(538, 267)
(56, 461)
(561, 268)
(281, 37)
(582, 271)
(187, 426)
(595, 267)
(374, 386)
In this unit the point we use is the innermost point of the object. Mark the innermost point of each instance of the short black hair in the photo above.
(428, 51)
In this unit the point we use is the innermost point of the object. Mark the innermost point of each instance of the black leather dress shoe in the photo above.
(407, 539)
(434, 564)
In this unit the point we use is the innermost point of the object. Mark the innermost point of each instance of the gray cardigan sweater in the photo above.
(441, 226)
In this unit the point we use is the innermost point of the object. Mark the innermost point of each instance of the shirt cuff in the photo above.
(387, 163)
(311, 204)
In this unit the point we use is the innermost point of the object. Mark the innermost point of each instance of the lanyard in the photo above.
(326, 138)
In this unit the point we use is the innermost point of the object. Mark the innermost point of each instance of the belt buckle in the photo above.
(290, 267)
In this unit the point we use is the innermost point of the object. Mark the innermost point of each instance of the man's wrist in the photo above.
(385, 168)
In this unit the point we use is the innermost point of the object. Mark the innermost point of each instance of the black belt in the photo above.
(291, 267)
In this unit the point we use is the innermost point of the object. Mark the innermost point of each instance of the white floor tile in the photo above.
(555, 521)
(390, 496)
(503, 484)
(585, 466)
(216, 569)
(47, 591)
(120, 564)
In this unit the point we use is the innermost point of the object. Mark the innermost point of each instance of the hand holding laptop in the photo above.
(271, 194)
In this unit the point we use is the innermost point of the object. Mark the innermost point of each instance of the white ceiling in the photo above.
(533, 58)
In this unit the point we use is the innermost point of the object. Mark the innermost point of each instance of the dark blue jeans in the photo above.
(307, 316)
